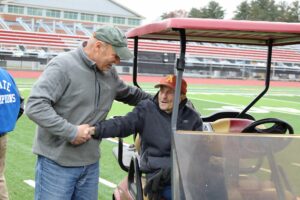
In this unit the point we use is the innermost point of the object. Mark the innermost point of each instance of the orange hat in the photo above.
(170, 81)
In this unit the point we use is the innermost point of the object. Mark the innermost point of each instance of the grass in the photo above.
(283, 103)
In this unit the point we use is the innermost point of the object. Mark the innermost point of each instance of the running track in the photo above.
(154, 79)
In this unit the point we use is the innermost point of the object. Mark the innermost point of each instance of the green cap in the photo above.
(114, 36)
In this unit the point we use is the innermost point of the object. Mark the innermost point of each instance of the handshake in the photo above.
(84, 133)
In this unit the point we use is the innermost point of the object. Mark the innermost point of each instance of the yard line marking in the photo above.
(287, 101)
(231, 104)
(219, 102)
(107, 183)
(101, 180)
(265, 170)
(30, 183)
(116, 141)
(296, 164)
(243, 94)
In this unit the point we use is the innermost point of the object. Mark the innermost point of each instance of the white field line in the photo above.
(231, 104)
(30, 183)
(265, 170)
(227, 92)
(237, 94)
(101, 180)
(107, 183)
(116, 141)
(269, 171)
(296, 164)
(287, 101)
(191, 91)
(212, 101)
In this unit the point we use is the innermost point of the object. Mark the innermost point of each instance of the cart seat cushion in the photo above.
(230, 125)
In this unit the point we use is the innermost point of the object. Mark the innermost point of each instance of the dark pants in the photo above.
(167, 193)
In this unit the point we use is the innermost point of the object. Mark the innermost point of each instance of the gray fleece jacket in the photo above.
(71, 91)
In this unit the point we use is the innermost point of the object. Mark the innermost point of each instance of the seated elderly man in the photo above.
(151, 118)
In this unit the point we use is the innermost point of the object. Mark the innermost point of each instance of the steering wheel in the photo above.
(259, 147)
(279, 127)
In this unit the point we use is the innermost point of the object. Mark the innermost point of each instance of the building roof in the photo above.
(110, 7)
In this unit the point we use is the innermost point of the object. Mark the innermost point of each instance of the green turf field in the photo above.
(283, 103)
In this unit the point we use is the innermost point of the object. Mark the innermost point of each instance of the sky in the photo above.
(153, 9)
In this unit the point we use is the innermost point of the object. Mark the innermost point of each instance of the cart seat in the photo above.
(228, 125)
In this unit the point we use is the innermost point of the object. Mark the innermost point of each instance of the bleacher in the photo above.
(30, 38)
(279, 55)
(68, 42)
(18, 45)
(38, 39)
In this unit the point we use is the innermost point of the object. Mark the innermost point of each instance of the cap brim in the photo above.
(123, 52)
(164, 84)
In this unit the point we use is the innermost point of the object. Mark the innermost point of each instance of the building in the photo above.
(75, 17)
(34, 31)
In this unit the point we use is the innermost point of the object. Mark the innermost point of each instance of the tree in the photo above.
(282, 10)
(294, 12)
(265, 10)
(175, 13)
(194, 13)
(268, 10)
(243, 11)
(212, 10)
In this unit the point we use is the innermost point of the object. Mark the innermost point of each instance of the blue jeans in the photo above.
(55, 182)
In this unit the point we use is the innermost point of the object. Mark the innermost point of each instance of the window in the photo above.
(118, 20)
(87, 17)
(70, 15)
(34, 11)
(53, 13)
(16, 9)
(1, 8)
(103, 18)
(134, 22)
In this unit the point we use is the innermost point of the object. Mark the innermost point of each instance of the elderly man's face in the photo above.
(105, 56)
(166, 98)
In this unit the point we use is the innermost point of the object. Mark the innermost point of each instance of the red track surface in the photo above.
(155, 79)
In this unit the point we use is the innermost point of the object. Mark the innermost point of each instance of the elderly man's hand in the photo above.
(82, 135)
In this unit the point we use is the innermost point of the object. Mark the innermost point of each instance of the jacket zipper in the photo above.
(97, 92)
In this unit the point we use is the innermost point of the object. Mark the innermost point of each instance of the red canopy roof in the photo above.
(221, 31)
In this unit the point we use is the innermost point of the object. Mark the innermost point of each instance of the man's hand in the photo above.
(92, 130)
(94, 134)
(82, 135)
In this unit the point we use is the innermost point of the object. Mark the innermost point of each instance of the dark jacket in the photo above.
(154, 126)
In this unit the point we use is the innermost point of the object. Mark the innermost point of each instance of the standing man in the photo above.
(152, 120)
(76, 89)
(10, 110)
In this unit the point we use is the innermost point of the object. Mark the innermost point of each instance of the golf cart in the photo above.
(236, 156)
